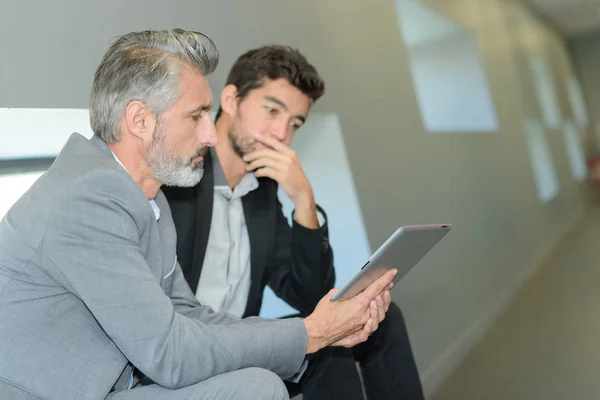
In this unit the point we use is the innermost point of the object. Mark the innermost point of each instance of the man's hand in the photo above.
(379, 307)
(281, 164)
(349, 322)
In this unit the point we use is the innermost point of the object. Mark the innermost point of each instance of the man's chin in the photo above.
(190, 179)
(195, 180)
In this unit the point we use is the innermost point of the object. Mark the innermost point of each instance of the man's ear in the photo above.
(229, 100)
(139, 120)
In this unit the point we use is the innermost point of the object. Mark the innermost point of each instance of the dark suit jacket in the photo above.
(296, 262)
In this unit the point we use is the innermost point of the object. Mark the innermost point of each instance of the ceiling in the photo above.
(569, 17)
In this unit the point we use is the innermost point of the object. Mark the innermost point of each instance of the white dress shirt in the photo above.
(225, 280)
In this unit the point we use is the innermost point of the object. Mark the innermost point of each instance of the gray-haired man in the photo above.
(93, 303)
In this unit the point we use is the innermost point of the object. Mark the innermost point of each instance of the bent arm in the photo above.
(301, 270)
(92, 248)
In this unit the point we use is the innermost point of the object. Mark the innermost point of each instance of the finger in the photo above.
(266, 162)
(330, 294)
(269, 173)
(387, 298)
(373, 312)
(374, 326)
(356, 338)
(265, 153)
(381, 309)
(274, 143)
(374, 317)
(387, 289)
(367, 328)
(379, 285)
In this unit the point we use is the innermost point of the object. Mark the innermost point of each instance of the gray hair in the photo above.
(145, 66)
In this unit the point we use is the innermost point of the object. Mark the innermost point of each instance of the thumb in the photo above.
(379, 285)
(330, 294)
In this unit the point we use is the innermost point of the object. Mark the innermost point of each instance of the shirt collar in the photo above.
(245, 186)
(155, 207)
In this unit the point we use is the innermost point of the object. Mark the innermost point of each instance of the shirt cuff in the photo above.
(320, 218)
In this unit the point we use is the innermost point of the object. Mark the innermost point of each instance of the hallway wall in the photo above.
(482, 183)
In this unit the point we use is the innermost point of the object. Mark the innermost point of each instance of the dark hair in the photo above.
(273, 62)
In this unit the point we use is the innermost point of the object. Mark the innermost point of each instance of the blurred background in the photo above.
(481, 113)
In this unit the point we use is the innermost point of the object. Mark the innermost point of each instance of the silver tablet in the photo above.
(403, 250)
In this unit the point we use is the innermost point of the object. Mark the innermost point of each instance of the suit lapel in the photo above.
(256, 212)
(204, 205)
(165, 239)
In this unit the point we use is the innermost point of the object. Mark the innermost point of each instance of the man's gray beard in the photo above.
(168, 167)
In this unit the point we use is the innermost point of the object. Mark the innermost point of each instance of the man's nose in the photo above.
(280, 130)
(209, 137)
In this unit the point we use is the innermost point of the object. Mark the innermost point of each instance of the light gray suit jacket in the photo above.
(89, 283)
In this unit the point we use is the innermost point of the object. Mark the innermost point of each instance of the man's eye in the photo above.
(296, 124)
(271, 110)
(196, 117)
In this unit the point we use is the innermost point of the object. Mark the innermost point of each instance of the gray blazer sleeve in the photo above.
(186, 304)
(92, 247)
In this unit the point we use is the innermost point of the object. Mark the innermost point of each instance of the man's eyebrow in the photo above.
(202, 107)
(277, 101)
(284, 106)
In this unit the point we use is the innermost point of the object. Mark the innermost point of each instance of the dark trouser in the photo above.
(386, 361)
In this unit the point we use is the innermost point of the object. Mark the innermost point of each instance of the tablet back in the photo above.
(402, 250)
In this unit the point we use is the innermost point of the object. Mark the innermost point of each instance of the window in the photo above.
(578, 104)
(546, 93)
(575, 152)
(13, 186)
(39, 132)
(542, 165)
(30, 139)
(448, 76)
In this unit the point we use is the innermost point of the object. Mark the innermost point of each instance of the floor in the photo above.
(547, 345)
